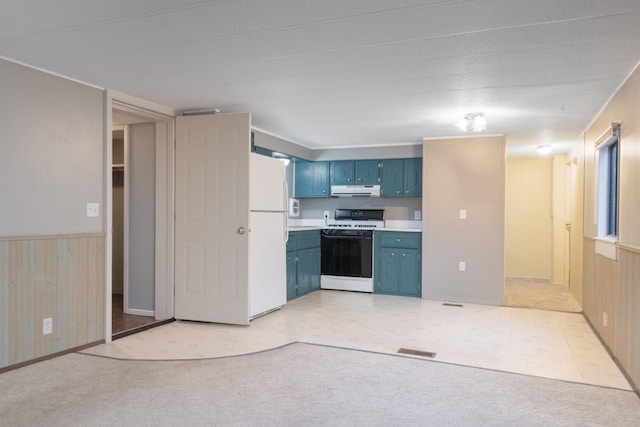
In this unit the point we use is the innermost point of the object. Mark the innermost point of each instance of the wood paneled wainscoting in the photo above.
(57, 277)
(613, 287)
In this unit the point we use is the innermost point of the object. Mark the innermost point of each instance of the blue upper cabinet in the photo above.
(397, 177)
(413, 177)
(342, 172)
(358, 172)
(366, 172)
(392, 178)
(401, 178)
(312, 179)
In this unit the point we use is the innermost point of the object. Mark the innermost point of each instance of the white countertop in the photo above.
(304, 228)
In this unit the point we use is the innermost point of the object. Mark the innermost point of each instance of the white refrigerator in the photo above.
(268, 234)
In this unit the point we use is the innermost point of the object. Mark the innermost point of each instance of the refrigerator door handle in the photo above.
(285, 213)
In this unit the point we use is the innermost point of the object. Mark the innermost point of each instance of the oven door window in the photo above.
(350, 256)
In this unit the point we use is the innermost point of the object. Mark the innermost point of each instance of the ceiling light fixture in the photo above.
(475, 121)
(544, 149)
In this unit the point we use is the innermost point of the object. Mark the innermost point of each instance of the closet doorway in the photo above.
(133, 180)
(141, 163)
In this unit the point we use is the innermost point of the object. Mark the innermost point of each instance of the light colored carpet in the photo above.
(299, 385)
(540, 294)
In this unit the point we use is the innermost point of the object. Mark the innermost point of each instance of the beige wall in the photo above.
(537, 218)
(575, 207)
(561, 224)
(612, 286)
(528, 218)
(465, 173)
(623, 107)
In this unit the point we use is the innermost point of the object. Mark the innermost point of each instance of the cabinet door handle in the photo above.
(241, 230)
(360, 179)
(348, 179)
(398, 192)
(393, 254)
(403, 254)
(397, 240)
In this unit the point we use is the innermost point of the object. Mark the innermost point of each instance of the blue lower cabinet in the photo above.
(291, 275)
(303, 263)
(387, 268)
(397, 264)
(314, 267)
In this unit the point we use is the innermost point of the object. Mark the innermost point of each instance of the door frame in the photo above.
(164, 118)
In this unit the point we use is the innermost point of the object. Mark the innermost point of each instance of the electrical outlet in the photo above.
(47, 326)
(326, 214)
(462, 266)
(93, 209)
(417, 215)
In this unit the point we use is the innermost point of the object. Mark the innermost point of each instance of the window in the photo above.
(607, 183)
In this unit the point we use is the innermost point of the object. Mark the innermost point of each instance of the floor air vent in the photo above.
(449, 304)
(417, 352)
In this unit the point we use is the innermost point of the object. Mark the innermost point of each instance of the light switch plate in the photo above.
(47, 326)
(462, 266)
(93, 209)
(463, 214)
(417, 215)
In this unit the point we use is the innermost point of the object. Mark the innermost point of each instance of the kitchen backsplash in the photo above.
(395, 209)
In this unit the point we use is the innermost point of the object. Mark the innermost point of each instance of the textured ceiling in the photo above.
(346, 73)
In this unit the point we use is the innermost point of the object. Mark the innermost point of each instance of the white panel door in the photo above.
(212, 216)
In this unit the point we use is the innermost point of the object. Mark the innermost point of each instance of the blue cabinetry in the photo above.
(397, 177)
(412, 176)
(312, 179)
(366, 172)
(397, 266)
(341, 172)
(303, 263)
(392, 178)
(354, 172)
(401, 177)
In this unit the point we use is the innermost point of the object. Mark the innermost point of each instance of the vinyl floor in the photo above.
(550, 344)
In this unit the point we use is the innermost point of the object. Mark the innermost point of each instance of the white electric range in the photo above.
(347, 249)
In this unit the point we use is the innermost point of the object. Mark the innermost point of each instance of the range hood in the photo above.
(355, 191)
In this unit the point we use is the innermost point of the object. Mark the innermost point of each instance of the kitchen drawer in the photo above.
(398, 239)
(306, 239)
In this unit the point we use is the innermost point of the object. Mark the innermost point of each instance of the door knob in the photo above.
(241, 230)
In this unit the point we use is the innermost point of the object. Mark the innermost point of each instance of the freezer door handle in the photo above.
(285, 206)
